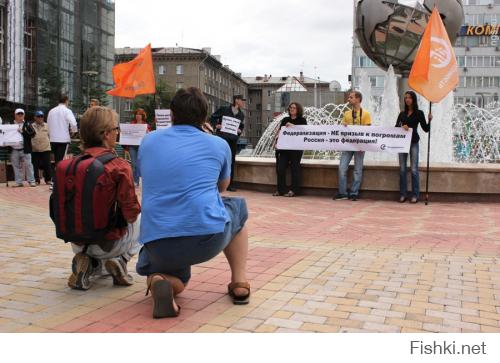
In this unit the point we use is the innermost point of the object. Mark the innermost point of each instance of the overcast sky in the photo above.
(256, 37)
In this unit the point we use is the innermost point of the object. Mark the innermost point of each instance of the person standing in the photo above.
(60, 121)
(140, 117)
(20, 156)
(292, 157)
(356, 116)
(41, 149)
(410, 118)
(234, 111)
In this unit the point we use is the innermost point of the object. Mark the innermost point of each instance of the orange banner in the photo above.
(135, 77)
(434, 73)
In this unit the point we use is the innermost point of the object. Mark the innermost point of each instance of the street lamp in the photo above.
(89, 74)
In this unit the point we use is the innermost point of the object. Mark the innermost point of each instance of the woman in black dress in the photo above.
(292, 157)
(411, 117)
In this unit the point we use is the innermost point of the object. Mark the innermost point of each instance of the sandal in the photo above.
(290, 194)
(163, 298)
(239, 299)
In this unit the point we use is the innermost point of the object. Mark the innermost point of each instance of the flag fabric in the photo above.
(135, 77)
(434, 73)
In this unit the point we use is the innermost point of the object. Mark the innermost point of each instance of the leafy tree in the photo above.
(51, 85)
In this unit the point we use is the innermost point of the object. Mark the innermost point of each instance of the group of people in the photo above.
(39, 139)
(410, 117)
(183, 218)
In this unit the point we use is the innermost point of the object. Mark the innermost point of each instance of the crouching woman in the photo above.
(185, 220)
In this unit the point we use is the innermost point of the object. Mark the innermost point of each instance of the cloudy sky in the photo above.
(256, 37)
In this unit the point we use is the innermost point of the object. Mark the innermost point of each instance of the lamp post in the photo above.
(89, 74)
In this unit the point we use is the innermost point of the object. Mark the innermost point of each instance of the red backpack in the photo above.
(78, 205)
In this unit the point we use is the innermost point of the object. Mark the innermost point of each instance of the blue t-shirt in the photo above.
(180, 168)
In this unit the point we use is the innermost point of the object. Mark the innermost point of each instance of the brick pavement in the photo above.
(315, 265)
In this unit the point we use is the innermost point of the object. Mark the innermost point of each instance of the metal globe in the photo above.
(389, 31)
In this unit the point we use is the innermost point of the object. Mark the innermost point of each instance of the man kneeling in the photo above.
(185, 221)
(94, 205)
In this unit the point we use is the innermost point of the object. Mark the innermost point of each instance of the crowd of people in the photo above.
(183, 218)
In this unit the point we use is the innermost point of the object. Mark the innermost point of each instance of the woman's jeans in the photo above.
(415, 179)
(134, 151)
(19, 161)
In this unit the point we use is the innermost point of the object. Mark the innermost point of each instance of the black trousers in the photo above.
(59, 150)
(292, 158)
(233, 145)
(41, 160)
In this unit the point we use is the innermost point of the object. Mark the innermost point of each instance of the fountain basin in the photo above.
(448, 182)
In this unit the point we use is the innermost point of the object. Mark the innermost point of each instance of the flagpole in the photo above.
(428, 158)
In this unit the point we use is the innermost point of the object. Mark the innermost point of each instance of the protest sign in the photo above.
(230, 125)
(132, 134)
(10, 136)
(345, 138)
(163, 119)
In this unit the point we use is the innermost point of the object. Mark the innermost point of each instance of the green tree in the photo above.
(51, 85)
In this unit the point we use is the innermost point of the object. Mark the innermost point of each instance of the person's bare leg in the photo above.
(175, 282)
(236, 253)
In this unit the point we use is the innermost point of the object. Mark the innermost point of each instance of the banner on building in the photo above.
(163, 119)
(230, 125)
(345, 138)
(10, 136)
(132, 134)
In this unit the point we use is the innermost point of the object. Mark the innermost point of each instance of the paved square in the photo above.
(315, 265)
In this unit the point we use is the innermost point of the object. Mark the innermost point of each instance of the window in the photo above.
(162, 70)
(179, 85)
(179, 69)
(268, 107)
(268, 93)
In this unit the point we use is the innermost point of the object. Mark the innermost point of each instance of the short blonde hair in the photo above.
(94, 122)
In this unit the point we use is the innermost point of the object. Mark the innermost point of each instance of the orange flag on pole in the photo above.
(434, 73)
(135, 77)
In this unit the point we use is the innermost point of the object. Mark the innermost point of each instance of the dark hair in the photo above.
(358, 95)
(63, 99)
(300, 109)
(415, 103)
(189, 107)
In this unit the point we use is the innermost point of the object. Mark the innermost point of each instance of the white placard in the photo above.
(10, 136)
(132, 134)
(230, 125)
(163, 119)
(345, 138)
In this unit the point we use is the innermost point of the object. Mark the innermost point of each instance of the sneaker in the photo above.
(32, 184)
(340, 197)
(117, 267)
(353, 197)
(17, 186)
(82, 269)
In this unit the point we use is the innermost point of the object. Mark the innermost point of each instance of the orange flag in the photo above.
(434, 73)
(135, 77)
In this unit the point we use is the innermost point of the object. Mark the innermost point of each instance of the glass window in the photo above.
(162, 70)
(179, 69)
(179, 85)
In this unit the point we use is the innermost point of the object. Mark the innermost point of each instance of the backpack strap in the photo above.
(106, 158)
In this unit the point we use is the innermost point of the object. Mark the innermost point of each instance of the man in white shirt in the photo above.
(60, 120)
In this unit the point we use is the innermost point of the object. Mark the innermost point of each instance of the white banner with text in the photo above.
(10, 135)
(345, 138)
(163, 119)
(132, 134)
(230, 125)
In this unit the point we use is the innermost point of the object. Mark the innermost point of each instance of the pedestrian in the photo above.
(233, 111)
(290, 157)
(20, 155)
(60, 120)
(102, 195)
(140, 117)
(41, 149)
(410, 118)
(356, 116)
(185, 220)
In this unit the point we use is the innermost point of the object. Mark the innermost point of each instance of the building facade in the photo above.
(187, 67)
(71, 41)
(477, 49)
(265, 101)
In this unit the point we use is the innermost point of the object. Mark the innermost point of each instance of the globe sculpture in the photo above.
(389, 31)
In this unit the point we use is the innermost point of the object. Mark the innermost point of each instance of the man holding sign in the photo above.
(229, 125)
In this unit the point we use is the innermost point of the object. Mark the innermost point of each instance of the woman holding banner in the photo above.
(292, 157)
(411, 117)
(140, 117)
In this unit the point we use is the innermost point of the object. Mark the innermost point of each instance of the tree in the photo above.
(162, 99)
(51, 85)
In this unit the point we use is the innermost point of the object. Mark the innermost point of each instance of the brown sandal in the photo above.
(163, 297)
(239, 299)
